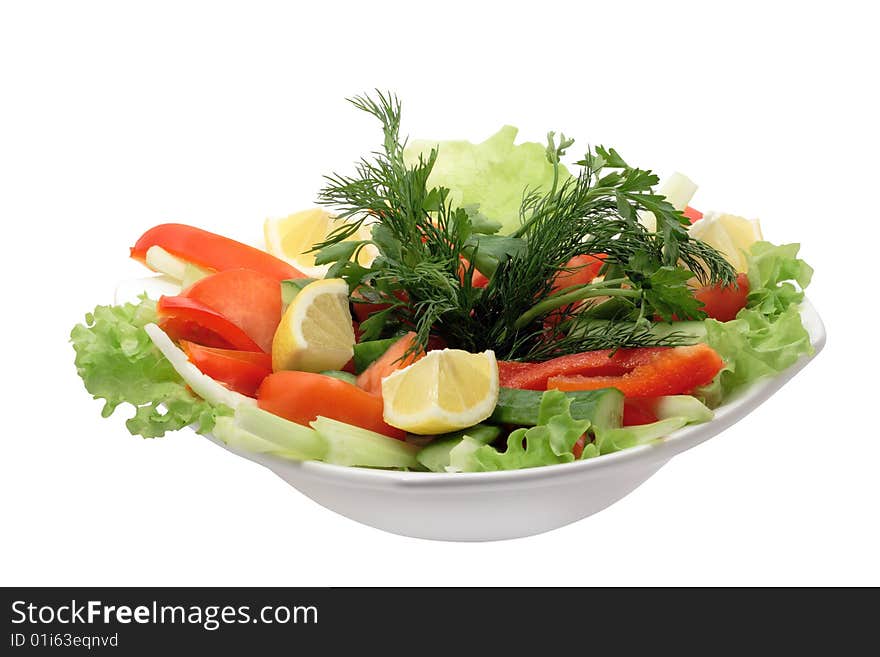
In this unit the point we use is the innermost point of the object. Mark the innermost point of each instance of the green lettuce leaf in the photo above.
(491, 175)
(772, 269)
(754, 346)
(548, 443)
(118, 363)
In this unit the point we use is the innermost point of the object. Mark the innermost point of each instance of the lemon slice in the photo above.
(315, 332)
(291, 239)
(448, 389)
(729, 234)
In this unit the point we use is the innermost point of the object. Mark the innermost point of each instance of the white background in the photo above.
(115, 119)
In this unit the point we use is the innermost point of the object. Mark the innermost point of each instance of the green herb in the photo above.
(421, 238)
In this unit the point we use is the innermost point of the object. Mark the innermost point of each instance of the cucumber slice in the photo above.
(436, 456)
(603, 408)
(348, 377)
(295, 440)
(349, 445)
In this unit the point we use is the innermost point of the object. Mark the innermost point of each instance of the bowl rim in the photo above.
(661, 451)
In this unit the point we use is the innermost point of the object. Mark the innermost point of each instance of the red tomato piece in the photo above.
(186, 319)
(391, 361)
(534, 376)
(692, 215)
(673, 371)
(249, 299)
(242, 371)
(723, 303)
(302, 396)
(211, 251)
(639, 411)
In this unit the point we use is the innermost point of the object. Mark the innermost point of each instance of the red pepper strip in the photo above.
(674, 371)
(211, 251)
(302, 396)
(242, 371)
(723, 303)
(185, 319)
(534, 376)
(580, 270)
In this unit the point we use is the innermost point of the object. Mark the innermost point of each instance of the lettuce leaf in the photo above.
(118, 363)
(771, 270)
(546, 444)
(491, 175)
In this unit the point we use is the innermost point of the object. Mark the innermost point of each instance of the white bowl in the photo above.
(490, 506)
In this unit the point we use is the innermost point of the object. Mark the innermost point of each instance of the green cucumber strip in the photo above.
(348, 377)
(349, 445)
(603, 408)
(436, 456)
(294, 439)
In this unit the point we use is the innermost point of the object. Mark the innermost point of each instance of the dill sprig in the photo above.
(421, 239)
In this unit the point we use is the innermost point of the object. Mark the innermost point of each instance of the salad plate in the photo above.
(462, 341)
(489, 506)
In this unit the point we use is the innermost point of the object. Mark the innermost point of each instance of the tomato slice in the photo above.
(723, 303)
(672, 371)
(692, 214)
(186, 319)
(606, 362)
(211, 251)
(242, 371)
(391, 361)
(302, 396)
(249, 299)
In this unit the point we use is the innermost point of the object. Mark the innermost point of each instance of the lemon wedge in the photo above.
(315, 332)
(447, 390)
(733, 236)
(291, 239)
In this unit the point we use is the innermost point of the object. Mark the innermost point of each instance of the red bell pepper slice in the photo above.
(211, 251)
(302, 396)
(534, 376)
(580, 270)
(186, 319)
(242, 371)
(249, 299)
(672, 371)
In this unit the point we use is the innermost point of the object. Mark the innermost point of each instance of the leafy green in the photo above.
(768, 335)
(422, 231)
(771, 272)
(754, 346)
(118, 363)
(550, 442)
(491, 175)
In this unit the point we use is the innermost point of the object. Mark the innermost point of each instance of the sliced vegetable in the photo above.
(671, 371)
(396, 357)
(294, 440)
(301, 397)
(211, 251)
(365, 353)
(348, 377)
(436, 456)
(232, 435)
(242, 371)
(603, 408)
(160, 260)
(201, 384)
(551, 442)
(693, 215)
(534, 376)
(186, 319)
(614, 440)
(249, 299)
(580, 270)
(724, 302)
(350, 445)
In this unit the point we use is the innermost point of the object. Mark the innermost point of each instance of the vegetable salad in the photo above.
(454, 307)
